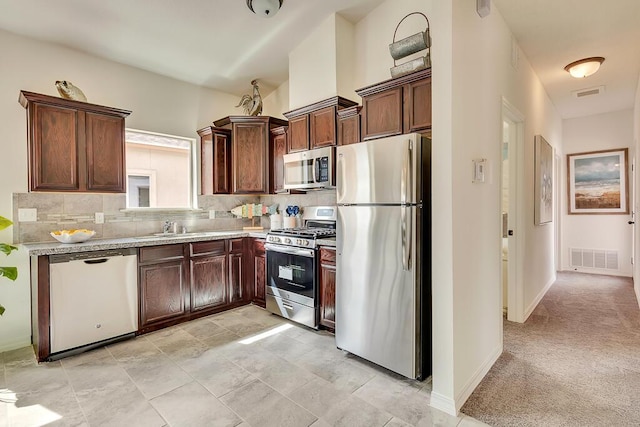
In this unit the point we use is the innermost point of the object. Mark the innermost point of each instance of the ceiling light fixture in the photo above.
(264, 8)
(584, 67)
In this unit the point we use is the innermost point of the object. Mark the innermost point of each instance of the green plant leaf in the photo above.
(7, 249)
(1, 310)
(10, 273)
(4, 223)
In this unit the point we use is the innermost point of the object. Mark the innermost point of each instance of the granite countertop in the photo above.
(53, 248)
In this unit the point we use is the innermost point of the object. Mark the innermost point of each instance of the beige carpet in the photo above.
(574, 362)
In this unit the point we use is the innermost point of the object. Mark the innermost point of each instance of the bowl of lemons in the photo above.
(75, 235)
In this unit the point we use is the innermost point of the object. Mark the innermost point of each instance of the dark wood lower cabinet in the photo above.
(236, 270)
(163, 282)
(259, 264)
(208, 275)
(327, 292)
(184, 281)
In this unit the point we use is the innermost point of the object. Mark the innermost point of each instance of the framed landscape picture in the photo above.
(543, 187)
(598, 182)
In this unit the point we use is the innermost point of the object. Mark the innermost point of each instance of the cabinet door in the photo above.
(237, 291)
(279, 142)
(323, 128)
(162, 292)
(221, 166)
(328, 288)
(208, 281)
(382, 114)
(299, 134)
(259, 273)
(349, 130)
(418, 105)
(54, 148)
(250, 157)
(206, 164)
(105, 153)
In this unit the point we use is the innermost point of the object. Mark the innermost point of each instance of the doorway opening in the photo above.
(512, 143)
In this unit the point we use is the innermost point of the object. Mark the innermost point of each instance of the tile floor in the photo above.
(243, 367)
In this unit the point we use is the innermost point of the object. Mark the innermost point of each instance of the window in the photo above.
(160, 170)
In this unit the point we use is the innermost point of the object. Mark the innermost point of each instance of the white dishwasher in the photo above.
(94, 297)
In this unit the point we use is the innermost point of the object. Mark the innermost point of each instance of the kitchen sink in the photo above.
(187, 235)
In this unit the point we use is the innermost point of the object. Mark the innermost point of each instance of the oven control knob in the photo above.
(287, 240)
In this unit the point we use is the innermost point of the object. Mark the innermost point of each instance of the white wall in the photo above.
(345, 59)
(312, 66)
(277, 102)
(610, 232)
(482, 76)
(636, 143)
(158, 103)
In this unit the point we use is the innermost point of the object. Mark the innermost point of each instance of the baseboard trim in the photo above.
(443, 404)
(15, 344)
(636, 287)
(477, 377)
(538, 298)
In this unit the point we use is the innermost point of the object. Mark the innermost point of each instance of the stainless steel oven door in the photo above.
(291, 273)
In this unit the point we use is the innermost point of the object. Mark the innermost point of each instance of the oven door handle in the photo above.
(309, 253)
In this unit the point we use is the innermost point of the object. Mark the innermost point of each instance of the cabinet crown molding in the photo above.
(392, 83)
(26, 98)
(336, 101)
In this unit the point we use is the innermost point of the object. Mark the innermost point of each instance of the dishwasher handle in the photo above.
(96, 261)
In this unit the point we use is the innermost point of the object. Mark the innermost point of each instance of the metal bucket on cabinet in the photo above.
(408, 46)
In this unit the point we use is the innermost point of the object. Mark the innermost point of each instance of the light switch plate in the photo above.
(28, 215)
(212, 214)
(99, 217)
(479, 170)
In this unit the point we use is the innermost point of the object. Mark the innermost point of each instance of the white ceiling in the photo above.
(222, 45)
(216, 43)
(554, 33)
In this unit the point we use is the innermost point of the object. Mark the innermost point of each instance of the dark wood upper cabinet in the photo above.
(299, 134)
(73, 145)
(397, 106)
(349, 125)
(315, 125)
(279, 149)
(251, 152)
(215, 160)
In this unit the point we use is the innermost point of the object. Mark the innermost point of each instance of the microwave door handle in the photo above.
(316, 170)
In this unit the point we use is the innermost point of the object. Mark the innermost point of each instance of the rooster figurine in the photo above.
(252, 105)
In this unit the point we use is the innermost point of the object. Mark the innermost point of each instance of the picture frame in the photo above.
(598, 182)
(543, 186)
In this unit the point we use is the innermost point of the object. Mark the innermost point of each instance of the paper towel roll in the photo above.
(276, 221)
(289, 222)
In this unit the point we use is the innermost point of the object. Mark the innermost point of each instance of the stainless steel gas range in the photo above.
(292, 266)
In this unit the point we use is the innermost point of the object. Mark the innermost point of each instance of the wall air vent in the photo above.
(581, 93)
(594, 258)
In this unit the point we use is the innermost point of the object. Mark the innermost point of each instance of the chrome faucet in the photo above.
(169, 227)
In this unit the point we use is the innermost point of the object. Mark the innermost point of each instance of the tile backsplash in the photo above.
(57, 211)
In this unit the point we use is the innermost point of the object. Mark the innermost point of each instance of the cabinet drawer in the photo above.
(327, 256)
(236, 245)
(207, 248)
(161, 253)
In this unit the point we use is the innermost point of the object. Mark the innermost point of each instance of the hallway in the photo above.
(574, 362)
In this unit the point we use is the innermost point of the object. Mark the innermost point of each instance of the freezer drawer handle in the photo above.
(96, 261)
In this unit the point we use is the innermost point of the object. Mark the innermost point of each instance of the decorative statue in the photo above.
(69, 91)
(252, 105)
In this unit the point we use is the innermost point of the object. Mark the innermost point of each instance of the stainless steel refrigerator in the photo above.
(383, 284)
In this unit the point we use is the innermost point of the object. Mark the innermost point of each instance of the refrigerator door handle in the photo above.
(405, 183)
(340, 178)
(407, 232)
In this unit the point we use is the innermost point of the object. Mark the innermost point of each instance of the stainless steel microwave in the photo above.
(311, 169)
